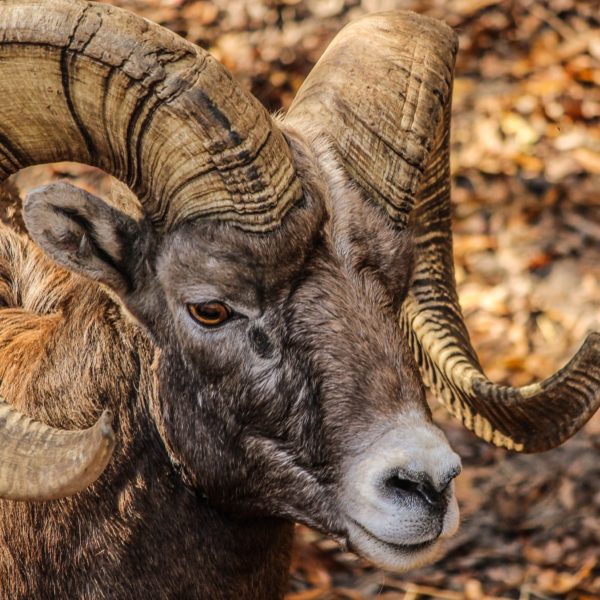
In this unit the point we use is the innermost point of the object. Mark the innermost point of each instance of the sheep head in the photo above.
(293, 276)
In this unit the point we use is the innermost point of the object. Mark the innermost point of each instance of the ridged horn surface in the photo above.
(382, 94)
(377, 91)
(91, 83)
(38, 462)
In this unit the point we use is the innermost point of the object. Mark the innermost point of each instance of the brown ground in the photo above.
(526, 165)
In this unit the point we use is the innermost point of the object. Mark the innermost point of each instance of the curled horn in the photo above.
(94, 84)
(38, 462)
(382, 94)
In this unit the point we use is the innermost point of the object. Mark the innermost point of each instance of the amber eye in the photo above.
(210, 314)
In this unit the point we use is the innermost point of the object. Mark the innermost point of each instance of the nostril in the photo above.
(418, 486)
(431, 495)
(399, 484)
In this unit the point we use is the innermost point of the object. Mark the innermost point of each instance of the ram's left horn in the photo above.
(38, 462)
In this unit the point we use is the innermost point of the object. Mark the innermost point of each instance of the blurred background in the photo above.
(526, 175)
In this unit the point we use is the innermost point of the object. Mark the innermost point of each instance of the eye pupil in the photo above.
(210, 314)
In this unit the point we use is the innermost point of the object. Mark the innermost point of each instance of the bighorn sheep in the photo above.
(256, 334)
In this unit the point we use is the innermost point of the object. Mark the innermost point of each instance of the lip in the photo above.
(397, 548)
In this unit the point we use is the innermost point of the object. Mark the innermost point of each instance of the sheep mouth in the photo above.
(399, 548)
(391, 555)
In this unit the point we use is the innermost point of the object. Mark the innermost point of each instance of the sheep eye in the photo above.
(210, 314)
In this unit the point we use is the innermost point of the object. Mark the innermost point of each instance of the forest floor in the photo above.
(526, 175)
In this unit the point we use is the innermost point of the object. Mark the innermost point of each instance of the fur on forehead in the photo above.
(273, 256)
(361, 232)
(364, 235)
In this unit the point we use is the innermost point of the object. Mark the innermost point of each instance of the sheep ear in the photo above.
(86, 235)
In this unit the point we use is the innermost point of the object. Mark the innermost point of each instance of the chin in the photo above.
(390, 556)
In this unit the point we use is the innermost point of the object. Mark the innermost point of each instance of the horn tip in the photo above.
(105, 425)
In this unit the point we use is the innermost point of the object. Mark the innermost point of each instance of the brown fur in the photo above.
(139, 532)
(224, 437)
